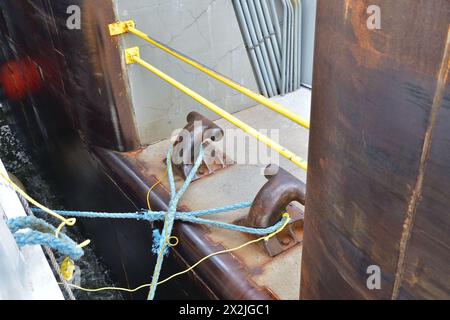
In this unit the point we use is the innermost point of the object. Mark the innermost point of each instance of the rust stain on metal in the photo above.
(135, 153)
(362, 34)
(346, 9)
(417, 192)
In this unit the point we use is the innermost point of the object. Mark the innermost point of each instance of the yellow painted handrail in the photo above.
(132, 56)
(129, 26)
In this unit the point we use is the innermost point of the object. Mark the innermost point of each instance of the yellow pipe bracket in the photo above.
(131, 54)
(120, 27)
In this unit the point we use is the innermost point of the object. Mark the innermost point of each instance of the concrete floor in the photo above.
(298, 101)
(291, 136)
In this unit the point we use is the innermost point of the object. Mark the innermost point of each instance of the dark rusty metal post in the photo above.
(82, 77)
(379, 164)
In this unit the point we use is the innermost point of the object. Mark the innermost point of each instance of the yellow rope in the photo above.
(151, 189)
(106, 288)
(265, 238)
(62, 225)
(69, 222)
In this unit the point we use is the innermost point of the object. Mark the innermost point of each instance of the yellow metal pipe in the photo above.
(256, 97)
(227, 116)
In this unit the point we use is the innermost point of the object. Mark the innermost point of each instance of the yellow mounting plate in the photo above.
(130, 53)
(120, 27)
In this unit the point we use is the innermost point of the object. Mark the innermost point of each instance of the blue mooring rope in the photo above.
(67, 246)
(42, 233)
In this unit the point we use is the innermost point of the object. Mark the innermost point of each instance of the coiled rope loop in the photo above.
(30, 230)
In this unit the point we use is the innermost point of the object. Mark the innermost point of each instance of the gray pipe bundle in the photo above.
(274, 49)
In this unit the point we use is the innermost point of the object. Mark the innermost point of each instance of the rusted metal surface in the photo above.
(379, 163)
(272, 201)
(81, 69)
(198, 131)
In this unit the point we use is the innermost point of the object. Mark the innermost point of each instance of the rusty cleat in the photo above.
(199, 130)
(277, 196)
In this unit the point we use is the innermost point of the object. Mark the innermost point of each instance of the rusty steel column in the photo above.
(379, 164)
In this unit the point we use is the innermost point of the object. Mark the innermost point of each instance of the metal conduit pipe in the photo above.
(300, 46)
(248, 21)
(295, 42)
(276, 53)
(253, 18)
(276, 21)
(284, 48)
(250, 47)
(289, 47)
(270, 40)
(273, 34)
(293, 52)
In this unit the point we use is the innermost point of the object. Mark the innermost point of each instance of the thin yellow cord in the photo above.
(64, 223)
(265, 238)
(84, 244)
(173, 244)
(151, 189)
(69, 222)
(106, 288)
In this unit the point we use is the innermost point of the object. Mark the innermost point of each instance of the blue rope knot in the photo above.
(42, 233)
(156, 247)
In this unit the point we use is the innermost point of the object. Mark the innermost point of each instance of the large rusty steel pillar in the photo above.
(379, 164)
